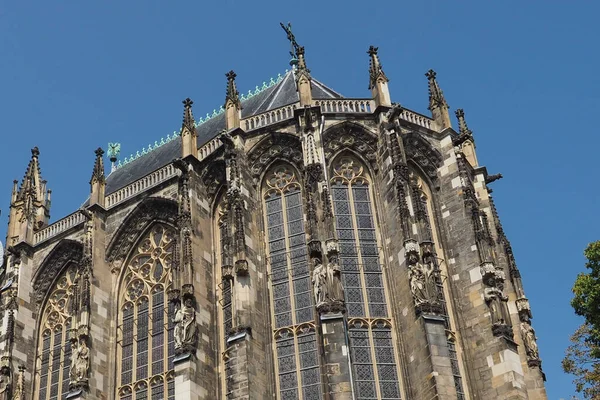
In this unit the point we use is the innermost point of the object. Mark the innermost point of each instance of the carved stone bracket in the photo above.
(227, 271)
(332, 246)
(314, 249)
(241, 267)
(488, 273)
(524, 309)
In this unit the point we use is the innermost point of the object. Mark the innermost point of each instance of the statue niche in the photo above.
(78, 373)
(424, 278)
(327, 286)
(5, 382)
(185, 331)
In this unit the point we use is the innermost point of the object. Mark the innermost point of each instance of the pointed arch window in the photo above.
(372, 348)
(422, 204)
(146, 346)
(292, 304)
(54, 346)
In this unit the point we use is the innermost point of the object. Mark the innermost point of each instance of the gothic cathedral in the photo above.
(295, 244)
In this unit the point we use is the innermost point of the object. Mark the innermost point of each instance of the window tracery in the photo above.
(146, 341)
(292, 303)
(54, 352)
(372, 348)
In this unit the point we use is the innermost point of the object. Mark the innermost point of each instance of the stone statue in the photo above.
(327, 286)
(423, 283)
(79, 363)
(319, 277)
(18, 393)
(495, 312)
(418, 284)
(334, 284)
(529, 340)
(5, 383)
(185, 331)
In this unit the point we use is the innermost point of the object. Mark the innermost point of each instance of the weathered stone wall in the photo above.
(491, 367)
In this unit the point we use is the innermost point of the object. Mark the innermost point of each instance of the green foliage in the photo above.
(581, 362)
(587, 293)
(582, 358)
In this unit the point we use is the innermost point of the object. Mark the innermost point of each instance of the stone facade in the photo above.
(320, 247)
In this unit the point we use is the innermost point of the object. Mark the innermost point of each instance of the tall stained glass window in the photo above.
(54, 351)
(145, 333)
(372, 348)
(292, 304)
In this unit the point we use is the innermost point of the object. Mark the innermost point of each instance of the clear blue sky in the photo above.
(76, 75)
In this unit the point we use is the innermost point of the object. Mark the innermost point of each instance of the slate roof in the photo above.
(278, 95)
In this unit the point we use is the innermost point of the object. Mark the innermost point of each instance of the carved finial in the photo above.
(378, 80)
(98, 172)
(233, 105)
(462, 124)
(375, 69)
(232, 93)
(437, 103)
(302, 61)
(32, 181)
(98, 180)
(436, 96)
(303, 85)
(188, 117)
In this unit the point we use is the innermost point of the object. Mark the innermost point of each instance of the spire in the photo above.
(30, 205)
(375, 68)
(463, 129)
(188, 117)
(98, 172)
(378, 81)
(31, 183)
(437, 103)
(233, 106)
(465, 139)
(188, 131)
(303, 79)
(98, 180)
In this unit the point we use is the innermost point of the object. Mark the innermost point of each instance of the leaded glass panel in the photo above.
(54, 347)
(291, 289)
(372, 351)
(144, 324)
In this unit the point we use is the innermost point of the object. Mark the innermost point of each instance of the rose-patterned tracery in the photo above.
(54, 352)
(372, 347)
(292, 303)
(146, 343)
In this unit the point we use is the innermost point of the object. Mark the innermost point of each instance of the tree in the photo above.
(581, 362)
(582, 358)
